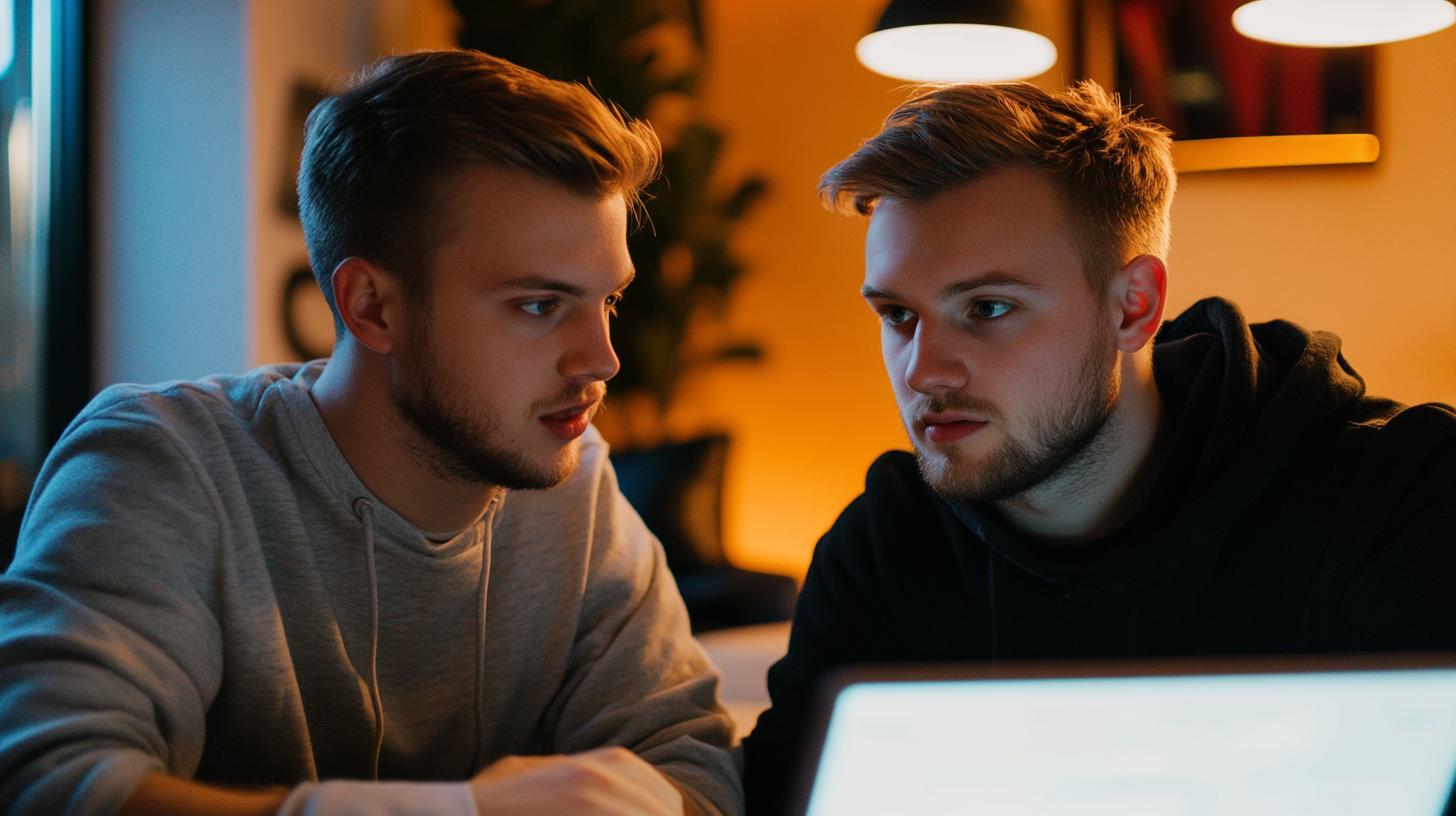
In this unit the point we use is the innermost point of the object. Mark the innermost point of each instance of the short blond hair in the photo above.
(1115, 167)
(376, 155)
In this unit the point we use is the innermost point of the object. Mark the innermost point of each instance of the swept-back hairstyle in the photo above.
(1115, 168)
(377, 154)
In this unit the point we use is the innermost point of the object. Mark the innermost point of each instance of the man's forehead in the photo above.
(1000, 195)
(1011, 222)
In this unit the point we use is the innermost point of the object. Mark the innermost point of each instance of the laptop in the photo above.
(1358, 735)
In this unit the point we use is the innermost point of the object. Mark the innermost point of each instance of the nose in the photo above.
(934, 363)
(591, 356)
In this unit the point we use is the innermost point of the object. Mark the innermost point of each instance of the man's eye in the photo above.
(894, 315)
(613, 301)
(989, 309)
(539, 308)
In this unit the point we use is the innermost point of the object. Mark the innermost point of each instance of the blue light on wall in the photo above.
(7, 35)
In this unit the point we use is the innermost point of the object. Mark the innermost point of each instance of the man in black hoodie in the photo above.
(1081, 487)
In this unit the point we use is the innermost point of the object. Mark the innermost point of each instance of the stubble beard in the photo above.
(1062, 444)
(456, 441)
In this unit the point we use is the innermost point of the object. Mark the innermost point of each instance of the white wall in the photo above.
(321, 44)
(192, 114)
(170, 189)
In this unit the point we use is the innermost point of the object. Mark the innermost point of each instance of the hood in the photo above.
(1242, 398)
(1248, 393)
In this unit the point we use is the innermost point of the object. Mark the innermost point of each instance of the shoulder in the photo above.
(1387, 437)
(1414, 450)
(895, 475)
(1430, 422)
(1397, 514)
(895, 493)
(893, 521)
(182, 405)
(138, 438)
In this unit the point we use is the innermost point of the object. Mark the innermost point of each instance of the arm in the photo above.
(162, 795)
(887, 583)
(637, 679)
(1401, 593)
(835, 620)
(109, 655)
(606, 781)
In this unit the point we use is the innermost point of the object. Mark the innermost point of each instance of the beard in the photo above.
(461, 442)
(1061, 442)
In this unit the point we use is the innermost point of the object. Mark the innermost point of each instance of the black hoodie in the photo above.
(1294, 515)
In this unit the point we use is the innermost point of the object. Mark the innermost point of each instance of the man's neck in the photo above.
(1113, 479)
(352, 397)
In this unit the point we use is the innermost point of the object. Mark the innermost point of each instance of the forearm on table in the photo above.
(169, 796)
(162, 795)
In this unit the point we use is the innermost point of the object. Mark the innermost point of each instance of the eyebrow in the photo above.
(552, 285)
(959, 287)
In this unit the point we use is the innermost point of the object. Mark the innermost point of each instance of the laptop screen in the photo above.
(1328, 742)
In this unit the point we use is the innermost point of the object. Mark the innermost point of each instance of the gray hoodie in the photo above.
(204, 587)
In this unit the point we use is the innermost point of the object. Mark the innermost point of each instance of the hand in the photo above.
(601, 782)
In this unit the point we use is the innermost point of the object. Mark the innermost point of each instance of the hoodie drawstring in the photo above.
(364, 510)
(482, 601)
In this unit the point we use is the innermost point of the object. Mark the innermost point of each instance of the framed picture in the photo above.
(1230, 101)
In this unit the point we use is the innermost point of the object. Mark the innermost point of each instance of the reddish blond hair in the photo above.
(1116, 168)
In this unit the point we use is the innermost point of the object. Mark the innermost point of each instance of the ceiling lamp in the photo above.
(948, 41)
(1338, 23)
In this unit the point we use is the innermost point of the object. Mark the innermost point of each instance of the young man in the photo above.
(1086, 483)
(409, 562)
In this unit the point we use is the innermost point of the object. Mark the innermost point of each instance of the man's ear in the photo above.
(369, 302)
(1136, 299)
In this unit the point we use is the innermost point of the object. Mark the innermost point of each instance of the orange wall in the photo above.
(1368, 252)
(1364, 251)
(786, 90)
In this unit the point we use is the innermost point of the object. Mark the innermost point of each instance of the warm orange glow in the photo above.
(1360, 250)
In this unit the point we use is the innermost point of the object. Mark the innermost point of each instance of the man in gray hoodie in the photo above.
(401, 580)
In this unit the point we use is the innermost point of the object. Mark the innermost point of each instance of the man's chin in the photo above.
(940, 469)
(551, 470)
(960, 478)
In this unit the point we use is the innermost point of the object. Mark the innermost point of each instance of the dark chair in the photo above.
(677, 488)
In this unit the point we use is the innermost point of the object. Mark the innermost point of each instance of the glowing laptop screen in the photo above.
(1360, 742)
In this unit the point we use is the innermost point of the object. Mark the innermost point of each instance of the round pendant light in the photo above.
(947, 41)
(1341, 23)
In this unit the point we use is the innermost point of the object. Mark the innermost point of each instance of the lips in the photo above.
(945, 428)
(570, 423)
(944, 433)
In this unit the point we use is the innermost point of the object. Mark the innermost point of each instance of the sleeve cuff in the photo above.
(380, 799)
